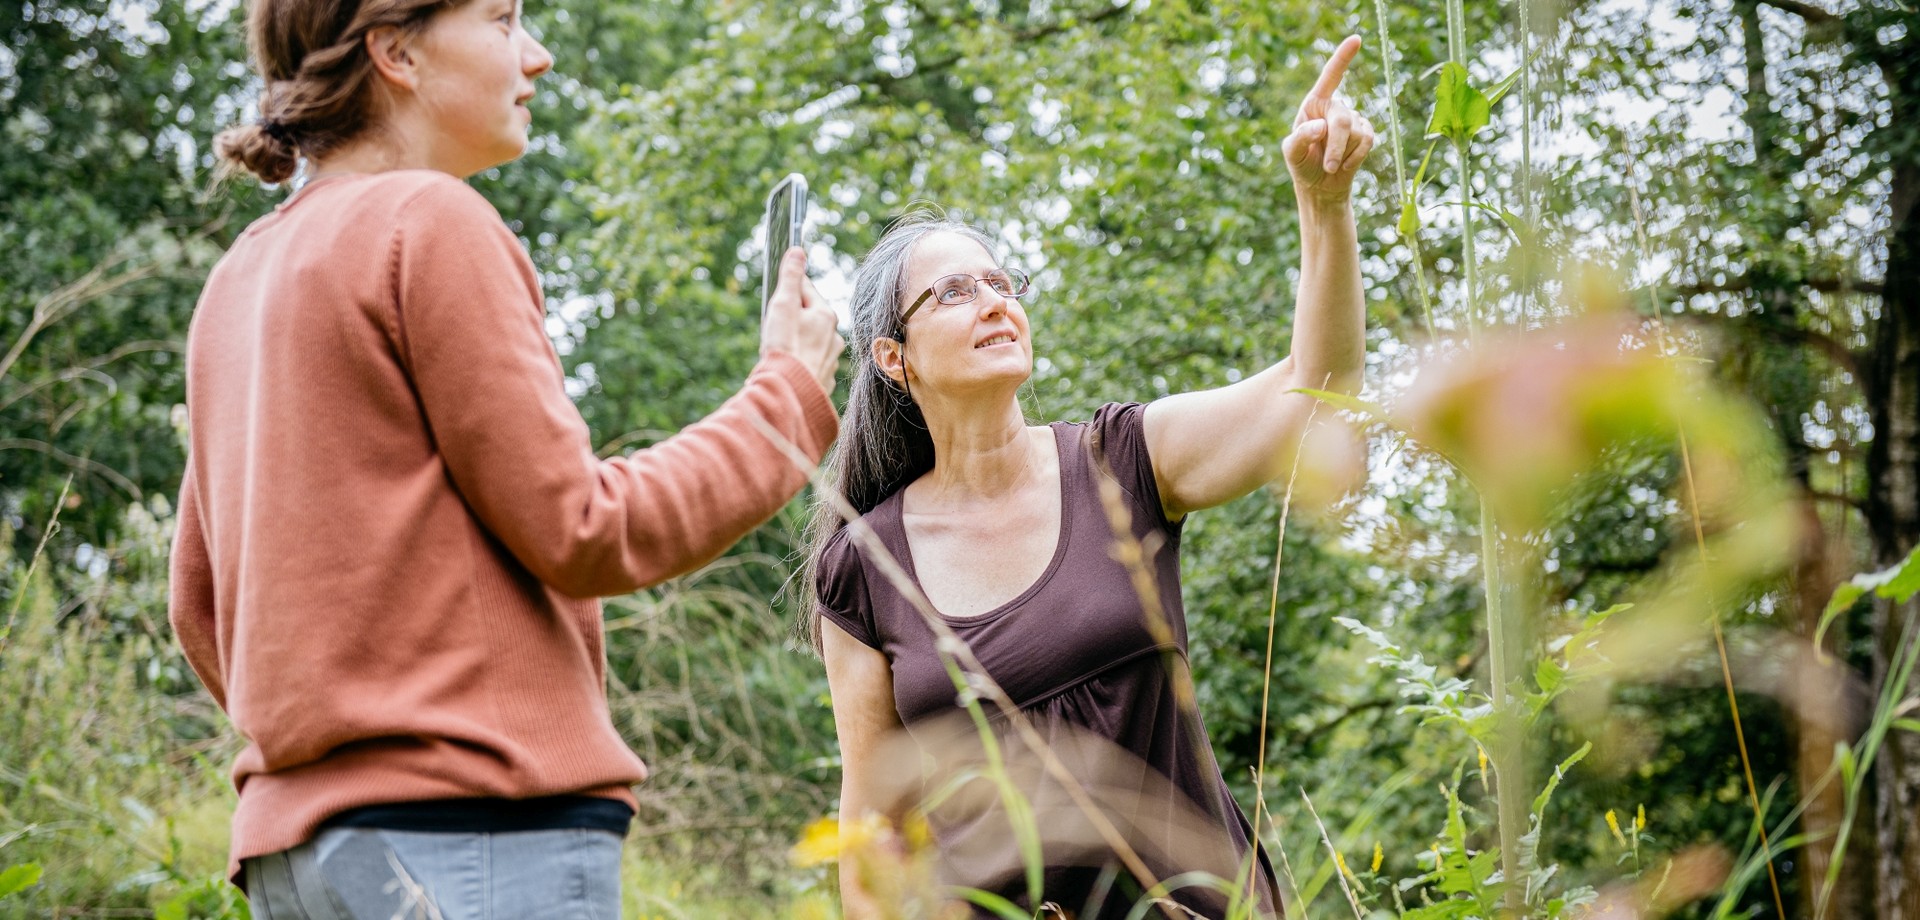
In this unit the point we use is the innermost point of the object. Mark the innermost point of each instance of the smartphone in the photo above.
(786, 228)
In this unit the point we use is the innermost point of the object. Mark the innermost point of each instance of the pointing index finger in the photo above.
(1336, 69)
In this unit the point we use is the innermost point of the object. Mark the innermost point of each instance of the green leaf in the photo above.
(1459, 110)
(1904, 582)
(1513, 222)
(1540, 801)
(1001, 907)
(19, 878)
(1409, 219)
(1844, 597)
(1898, 583)
(1516, 225)
(1501, 88)
(1549, 675)
(1410, 197)
(1911, 725)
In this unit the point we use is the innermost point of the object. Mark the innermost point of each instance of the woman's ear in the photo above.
(891, 358)
(392, 61)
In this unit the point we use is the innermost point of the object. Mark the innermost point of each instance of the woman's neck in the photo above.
(982, 452)
(388, 147)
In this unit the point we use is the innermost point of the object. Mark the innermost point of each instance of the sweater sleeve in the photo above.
(190, 599)
(471, 322)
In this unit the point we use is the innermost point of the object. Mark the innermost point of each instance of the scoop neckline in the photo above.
(899, 522)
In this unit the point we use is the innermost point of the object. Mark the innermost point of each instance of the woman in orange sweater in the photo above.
(393, 527)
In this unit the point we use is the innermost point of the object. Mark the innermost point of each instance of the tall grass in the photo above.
(111, 777)
(113, 767)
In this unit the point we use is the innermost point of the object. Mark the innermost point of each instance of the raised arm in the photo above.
(1213, 446)
(861, 683)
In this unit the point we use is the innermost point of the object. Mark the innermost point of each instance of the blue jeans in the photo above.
(351, 873)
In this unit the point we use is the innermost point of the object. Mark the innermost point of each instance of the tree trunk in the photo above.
(1828, 712)
(1892, 385)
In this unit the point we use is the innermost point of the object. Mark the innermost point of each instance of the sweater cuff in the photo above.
(816, 404)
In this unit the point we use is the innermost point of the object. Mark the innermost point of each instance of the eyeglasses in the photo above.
(958, 289)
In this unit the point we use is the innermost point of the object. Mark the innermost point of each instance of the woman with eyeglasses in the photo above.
(1001, 526)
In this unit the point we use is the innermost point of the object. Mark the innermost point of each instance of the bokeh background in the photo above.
(1735, 177)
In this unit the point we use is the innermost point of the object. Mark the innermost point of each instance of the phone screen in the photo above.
(786, 219)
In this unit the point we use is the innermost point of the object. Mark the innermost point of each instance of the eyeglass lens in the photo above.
(958, 289)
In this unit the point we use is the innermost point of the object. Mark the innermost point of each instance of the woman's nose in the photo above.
(988, 301)
(535, 59)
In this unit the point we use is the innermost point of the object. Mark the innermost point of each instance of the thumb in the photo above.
(1298, 147)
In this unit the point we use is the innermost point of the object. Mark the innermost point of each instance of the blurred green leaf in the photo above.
(15, 879)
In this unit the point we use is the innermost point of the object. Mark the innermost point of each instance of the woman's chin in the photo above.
(1009, 378)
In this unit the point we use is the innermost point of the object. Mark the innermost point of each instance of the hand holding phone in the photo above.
(786, 223)
(800, 324)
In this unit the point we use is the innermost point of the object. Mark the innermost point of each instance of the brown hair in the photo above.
(312, 55)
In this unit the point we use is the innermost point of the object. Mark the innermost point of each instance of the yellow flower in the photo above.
(919, 835)
(1640, 819)
(1378, 855)
(819, 843)
(1613, 824)
(1341, 861)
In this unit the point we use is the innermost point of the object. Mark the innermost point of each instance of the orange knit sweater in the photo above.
(393, 527)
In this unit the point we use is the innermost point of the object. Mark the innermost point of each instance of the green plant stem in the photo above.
(1457, 32)
(1527, 214)
(1469, 276)
(1508, 754)
(1408, 193)
(53, 524)
(1026, 832)
(1273, 613)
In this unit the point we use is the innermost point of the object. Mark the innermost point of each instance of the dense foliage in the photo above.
(1731, 165)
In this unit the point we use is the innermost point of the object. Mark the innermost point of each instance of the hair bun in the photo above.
(265, 152)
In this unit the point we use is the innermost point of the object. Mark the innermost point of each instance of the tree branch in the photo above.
(1812, 14)
(83, 463)
(97, 282)
(1825, 285)
(1307, 737)
(1837, 352)
(1834, 498)
(885, 80)
(1856, 30)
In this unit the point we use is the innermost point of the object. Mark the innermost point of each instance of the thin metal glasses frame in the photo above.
(1019, 285)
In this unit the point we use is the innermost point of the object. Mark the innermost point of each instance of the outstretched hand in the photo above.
(1329, 140)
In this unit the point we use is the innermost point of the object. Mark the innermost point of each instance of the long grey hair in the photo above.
(884, 443)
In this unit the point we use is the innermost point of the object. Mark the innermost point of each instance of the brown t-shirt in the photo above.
(1076, 653)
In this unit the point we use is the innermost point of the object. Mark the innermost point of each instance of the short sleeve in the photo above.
(1120, 445)
(841, 590)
